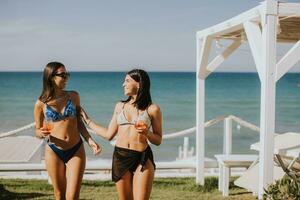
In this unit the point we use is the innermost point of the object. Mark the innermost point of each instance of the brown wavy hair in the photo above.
(48, 85)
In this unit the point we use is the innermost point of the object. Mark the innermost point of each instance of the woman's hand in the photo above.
(94, 146)
(44, 132)
(84, 116)
(142, 131)
(141, 127)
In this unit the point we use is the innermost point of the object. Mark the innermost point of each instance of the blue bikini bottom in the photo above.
(65, 155)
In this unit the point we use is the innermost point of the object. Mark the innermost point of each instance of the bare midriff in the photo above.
(129, 138)
(65, 133)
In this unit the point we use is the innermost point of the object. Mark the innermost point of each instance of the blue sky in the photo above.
(94, 35)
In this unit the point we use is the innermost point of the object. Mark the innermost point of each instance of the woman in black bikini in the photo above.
(64, 154)
(136, 121)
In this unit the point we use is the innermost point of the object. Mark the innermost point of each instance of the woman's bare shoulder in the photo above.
(118, 106)
(154, 109)
(39, 104)
(74, 96)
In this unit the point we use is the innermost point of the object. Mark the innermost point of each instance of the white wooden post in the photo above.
(180, 152)
(268, 90)
(202, 59)
(200, 134)
(221, 179)
(185, 147)
(225, 181)
(227, 141)
(224, 173)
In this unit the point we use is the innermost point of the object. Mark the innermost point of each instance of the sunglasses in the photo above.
(63, 75)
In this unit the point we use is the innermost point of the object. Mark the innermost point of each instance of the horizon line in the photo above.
(154, 71)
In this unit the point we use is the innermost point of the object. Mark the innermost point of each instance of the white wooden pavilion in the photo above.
(262, 26)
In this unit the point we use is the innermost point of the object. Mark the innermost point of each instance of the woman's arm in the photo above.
(82, 129)
(87, 137)
(107, 133)
(155, 137)
(39, 118)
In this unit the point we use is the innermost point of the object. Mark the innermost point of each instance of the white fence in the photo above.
(191, 164)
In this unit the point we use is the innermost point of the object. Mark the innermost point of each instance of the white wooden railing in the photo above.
(227, 146)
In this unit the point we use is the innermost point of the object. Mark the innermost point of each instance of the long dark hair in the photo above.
(48, 85)
(143, 99)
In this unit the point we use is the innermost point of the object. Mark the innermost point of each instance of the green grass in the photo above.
(163, 188)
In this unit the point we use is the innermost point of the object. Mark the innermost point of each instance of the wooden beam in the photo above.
(288, 61)
(203, 55)
(218, 60)
(255, 42)
(232, 24)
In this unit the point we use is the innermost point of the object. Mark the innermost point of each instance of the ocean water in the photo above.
(226, 94)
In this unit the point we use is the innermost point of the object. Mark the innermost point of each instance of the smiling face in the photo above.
(60, 78)
(130, 86)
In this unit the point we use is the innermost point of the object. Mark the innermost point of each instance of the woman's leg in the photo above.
(142, 181)
(124, 187)
(75, 169)
(57, 172)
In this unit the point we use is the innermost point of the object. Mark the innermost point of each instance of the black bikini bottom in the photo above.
(128, 160)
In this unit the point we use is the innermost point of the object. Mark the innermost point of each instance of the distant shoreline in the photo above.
(149, 72)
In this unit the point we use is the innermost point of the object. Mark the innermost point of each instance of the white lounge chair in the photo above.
(286, 151)
(250, 180)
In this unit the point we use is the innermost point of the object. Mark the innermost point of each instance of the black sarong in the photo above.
(128, 159)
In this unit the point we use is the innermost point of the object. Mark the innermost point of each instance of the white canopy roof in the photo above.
(289, 21)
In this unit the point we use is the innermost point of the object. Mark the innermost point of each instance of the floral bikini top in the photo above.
(69, 111)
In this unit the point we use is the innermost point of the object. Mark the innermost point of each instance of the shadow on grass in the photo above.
(98, 183)
(239, 193)
(236, 190)
(188, 184)
(5, 194)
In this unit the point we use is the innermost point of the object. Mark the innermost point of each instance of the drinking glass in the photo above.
(48, 125)
(142, 125)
